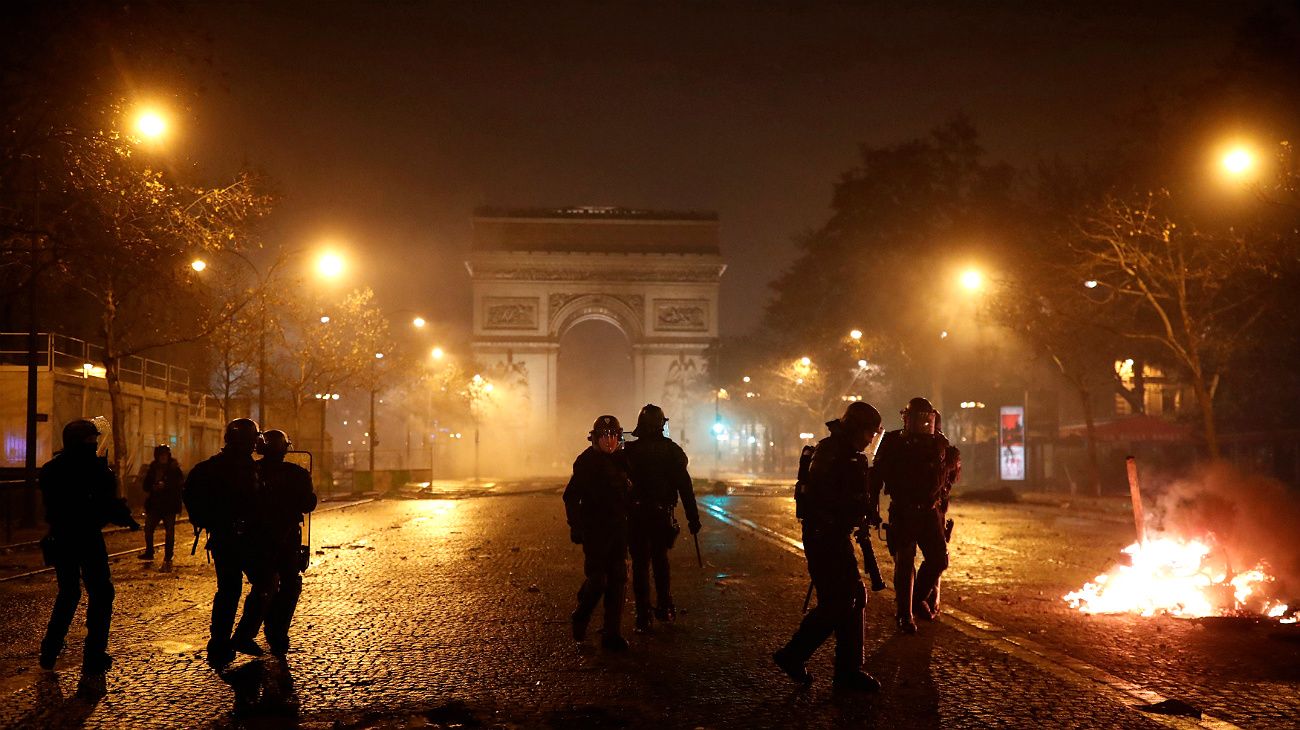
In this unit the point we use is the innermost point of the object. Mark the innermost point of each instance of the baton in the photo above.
(195, 547)
(807, 597)
(698, 558)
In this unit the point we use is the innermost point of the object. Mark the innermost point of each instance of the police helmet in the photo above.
(605, 425)
(919, 417)
(860, 416)
(275, 442)
(650, 421)
(79, 432)
(242, 432)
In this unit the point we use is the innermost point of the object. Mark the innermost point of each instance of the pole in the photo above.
(1135, 495)
(374, 435)
(327, 480)
(29, 462)
(261, 358)
(476, 451)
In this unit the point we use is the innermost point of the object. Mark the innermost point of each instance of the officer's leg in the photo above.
(283, 605)
(67, 572)
(150, 526)
(639, 547)
(615, 588)
(934, 551)
(593, 587)
(848, 630)
(659, 562)
(904, 534)
(169, 536)
(834, 598)
(262, 588)
(230, 584)
(99, 602)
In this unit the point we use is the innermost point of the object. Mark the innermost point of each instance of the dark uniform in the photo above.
(911, 468)
(223, 496)
(80, 494)
(287, 495)
(836, 502)
(657, 467)
(596, 503)
(162, 482)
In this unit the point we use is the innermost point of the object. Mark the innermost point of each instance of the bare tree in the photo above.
(1191, 293)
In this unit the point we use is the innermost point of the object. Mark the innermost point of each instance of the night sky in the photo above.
(384, 125)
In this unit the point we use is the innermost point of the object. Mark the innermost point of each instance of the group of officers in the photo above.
(621, 500)
(252, 511)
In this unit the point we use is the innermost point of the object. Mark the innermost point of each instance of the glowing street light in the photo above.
(1238, 161)
(418, 322)
(379, 356)
(1090, 284)
(150, 124)
(862, 364)
(855, 334)
(437, 353)
(330, 265)
(805, 361)
(198, 264)
(324, 319)
(745, 379)
(972, 280)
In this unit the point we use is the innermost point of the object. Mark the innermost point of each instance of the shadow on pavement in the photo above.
(264, 695)
(908, 690)
(52, 709)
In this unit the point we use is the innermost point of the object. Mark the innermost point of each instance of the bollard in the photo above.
(1135, 495)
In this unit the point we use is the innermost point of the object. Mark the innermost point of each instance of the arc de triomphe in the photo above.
(652, 274)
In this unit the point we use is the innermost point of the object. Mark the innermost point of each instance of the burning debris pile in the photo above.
(1206, 551)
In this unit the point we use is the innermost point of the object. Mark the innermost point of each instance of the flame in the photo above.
(1181, 578)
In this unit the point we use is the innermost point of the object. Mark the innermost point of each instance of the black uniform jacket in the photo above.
(223, 493)
(167, 499)
(80, 494)
(912, 469)
(598, 495)
(657, 467)
(837, 483)
(287, 495)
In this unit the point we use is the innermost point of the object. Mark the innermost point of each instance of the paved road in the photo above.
(453, 611)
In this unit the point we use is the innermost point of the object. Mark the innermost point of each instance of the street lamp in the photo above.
(330, 265)
(198, 264)
(150, 124)
(855, 335)
(972, 280)
(1238, 161)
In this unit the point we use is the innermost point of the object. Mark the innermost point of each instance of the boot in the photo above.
(666, 614)
(906, 625)
(613, 642)
(643, 622)
(923, 611)
(855, 680)
(579, 626)
(246, 645)
(793, 668)
(146, 555)
(96, 663)
(166, 567)
(219, 653)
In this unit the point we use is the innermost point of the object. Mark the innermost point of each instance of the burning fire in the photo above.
(1180, 578)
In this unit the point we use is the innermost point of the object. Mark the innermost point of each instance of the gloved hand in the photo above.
(694, 527)
(575, 535)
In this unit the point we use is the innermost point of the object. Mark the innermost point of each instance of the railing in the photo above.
(70, 356)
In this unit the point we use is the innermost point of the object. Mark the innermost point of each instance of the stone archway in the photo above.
(536, 274)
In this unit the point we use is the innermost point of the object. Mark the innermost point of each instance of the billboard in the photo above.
(1011, 443)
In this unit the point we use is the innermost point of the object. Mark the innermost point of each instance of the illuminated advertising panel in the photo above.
(1011, 443)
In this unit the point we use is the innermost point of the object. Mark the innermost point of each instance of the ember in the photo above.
(1183, 578)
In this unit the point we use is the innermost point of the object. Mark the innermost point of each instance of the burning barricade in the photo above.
(1239, 519)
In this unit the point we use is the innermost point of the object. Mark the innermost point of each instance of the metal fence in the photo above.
(78, 358)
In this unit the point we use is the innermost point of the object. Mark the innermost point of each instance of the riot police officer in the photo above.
(657, 467)
(596, 503)
(834, 502)
(911, 467)
(80, 494)
(222, 495)
(287, 495)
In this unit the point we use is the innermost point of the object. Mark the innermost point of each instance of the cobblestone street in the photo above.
(454, 612)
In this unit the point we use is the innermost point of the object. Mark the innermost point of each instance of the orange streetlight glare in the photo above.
(855, 334)
(437, 353)
(418, 322)
(1238, 161)
(150, 124)
(329, 265)
(198, 264)
(972, 279)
